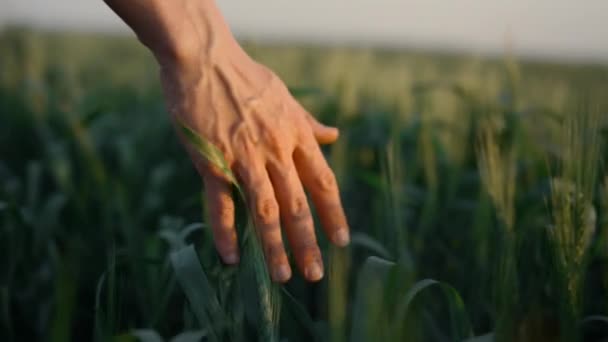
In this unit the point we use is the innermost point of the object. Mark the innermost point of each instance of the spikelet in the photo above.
(498, 173)
(575, 221)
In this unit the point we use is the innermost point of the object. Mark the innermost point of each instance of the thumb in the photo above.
(323, 134)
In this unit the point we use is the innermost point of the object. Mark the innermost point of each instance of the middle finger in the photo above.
(296, 217)
(265, 210)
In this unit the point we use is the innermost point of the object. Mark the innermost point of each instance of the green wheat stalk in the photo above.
(572, 211)
(253, 260)
(498, 174)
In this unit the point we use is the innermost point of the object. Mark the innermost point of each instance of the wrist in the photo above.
(195, 33)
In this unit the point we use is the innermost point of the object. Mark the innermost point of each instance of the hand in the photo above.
(272, 145)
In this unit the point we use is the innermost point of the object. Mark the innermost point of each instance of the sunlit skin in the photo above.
(268, 139)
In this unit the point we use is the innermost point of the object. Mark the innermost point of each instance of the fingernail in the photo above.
(231, 258)
(313, 272)
(281, 273)
(341, 237)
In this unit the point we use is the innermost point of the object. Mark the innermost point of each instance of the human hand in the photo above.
(270, 142)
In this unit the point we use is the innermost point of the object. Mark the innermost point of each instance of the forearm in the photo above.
(175, 30)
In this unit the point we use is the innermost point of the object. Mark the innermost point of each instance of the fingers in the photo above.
(297, 220)
(221, 216)
(265, 212)
(320, 182)
(323, 134)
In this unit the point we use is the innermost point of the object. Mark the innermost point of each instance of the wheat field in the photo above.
(476, 189)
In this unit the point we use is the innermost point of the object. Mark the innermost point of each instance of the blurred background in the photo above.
(559, 29)
(472, 165)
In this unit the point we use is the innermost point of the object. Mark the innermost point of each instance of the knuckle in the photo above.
(244, 138)
(272, 137)
(267, 211)
(275, 143)
(306, 139)
(326, 180)
(299, 210)
(248, 172)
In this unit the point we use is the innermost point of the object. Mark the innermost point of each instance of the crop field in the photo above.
(476, 190)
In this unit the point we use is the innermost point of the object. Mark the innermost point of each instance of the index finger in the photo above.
(320, 181)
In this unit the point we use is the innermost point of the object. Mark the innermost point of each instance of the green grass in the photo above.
(476, 190)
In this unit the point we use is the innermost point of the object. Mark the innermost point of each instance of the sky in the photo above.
(557, 29)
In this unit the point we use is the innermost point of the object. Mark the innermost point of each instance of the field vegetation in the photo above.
(476, 189)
